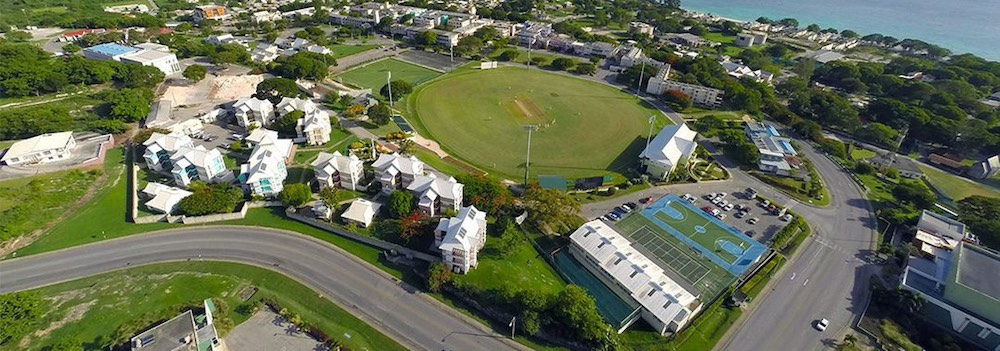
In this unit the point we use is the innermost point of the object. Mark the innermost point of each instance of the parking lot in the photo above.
(765, 228)
(267, 330)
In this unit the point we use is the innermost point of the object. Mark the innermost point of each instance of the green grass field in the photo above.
(585, 128)
(858, 153)
(955, 187)
(524, 268)
(373, 75)
(341, 50)
(91, 309)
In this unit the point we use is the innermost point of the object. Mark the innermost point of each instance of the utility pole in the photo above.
(652, 118)
(388, 82)
(530, 44)
(638, 86)
(512, 320)
(451, 50)
(527, 158)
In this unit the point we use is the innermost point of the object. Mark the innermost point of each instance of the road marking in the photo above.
(805, 282)
(793, 276)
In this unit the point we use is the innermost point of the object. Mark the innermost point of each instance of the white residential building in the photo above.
(673, 146)
(745, 40)
(197, 163)
(699, 94)
(159, 148)
(162, 198)
(666, 305)
(264, 173)
(361, 213)
(260, 134)
(155, 55)
(164, 61)
(396, 172)
(265, 53)
(641, 28)
(739, 71)
(657, 83)
(435, 195)
(460, 238)
(338, 170)
(45, 148)
(254, 111)
(314, 126)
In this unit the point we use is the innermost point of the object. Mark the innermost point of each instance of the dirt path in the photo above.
(430, 145)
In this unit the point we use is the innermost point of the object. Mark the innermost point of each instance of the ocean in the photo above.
(962, 26)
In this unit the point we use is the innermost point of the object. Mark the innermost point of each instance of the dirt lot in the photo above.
(267, 330)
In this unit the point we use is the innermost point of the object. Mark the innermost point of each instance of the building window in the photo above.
(633, 274)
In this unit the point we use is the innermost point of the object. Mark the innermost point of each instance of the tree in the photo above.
(329, 195)
(579, 310)
(195, 73)
(413, 226)
(982, 215)
(400, 88)
(438, 276)
(380, 114)
(139, 76)
(287, 123)
(295, 194)
(508, 242)
(914, 193)
(563, 63)
(354, 110)
(486, 194)
(71, 48)
(508, 55)
(400, 203)
(66, 345)
(18, 313)
(129, 104)
(305, 65)
(228, 54)
(551, 210)
(585, 68)
(274, 89)
(17, 36)
(677, 100)
(426, 38)
(208, 199)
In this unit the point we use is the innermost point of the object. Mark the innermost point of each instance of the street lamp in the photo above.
(527, 158)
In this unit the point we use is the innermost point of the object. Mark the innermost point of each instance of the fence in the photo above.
(362, 239)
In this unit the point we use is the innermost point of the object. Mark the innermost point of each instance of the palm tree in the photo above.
(850, 339)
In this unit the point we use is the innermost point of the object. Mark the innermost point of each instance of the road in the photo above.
(401, 312)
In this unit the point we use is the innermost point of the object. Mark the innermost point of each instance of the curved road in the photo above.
(417, 322)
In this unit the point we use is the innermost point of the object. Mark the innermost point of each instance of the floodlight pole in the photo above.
(527, 158)
(388, 82)
(652, 118)
(451, 50)
(638, 86)
(530, 44)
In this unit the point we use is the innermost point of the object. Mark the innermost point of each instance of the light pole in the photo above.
(512, 320)
(652, 118)
(530, 44)
(638, 86)
(388, 82)
(527, 158)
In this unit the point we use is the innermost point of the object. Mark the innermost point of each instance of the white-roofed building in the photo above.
(314, 126)
(435, 195)
(260, 134)
(657, 83)
(253, 111)
(164, 61)
(666, 305)
(670, 148)
(739, 71)
(361, 213)
(159, 148)
(45, 148)
(460, 238)
(396, 172)
(264, 173)
(338, 170)
(162, 198)
(197, 163)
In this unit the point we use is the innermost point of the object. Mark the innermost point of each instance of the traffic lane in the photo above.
(381, 302)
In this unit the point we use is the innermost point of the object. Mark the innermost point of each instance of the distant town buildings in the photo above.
(210, 12)
(460, 238)
(746, 40)
(672, 147)
(41, 149)
(739, 71)
(700, 95)
(641, 28)
(985, 169)
(902, 164)
(686, 40)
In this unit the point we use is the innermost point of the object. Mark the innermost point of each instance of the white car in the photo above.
(822, 324)
(721, 215)
(723, 194)
(787, 217)
(717, 200)
(710, 196)
(687, 197)
(728, 207)
(716, 212)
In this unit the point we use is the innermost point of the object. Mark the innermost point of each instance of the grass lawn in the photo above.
(698, 112)
(378, 130)
(91, 309)
(524, 268)
(4, 144)
(793, 188)
(28, 204)
(719, 37)
(486, 129)
(878, 189)
(955, 187)
(341, 50)
(858, 153)
(373, 75)
(432, 159)
(706, 330)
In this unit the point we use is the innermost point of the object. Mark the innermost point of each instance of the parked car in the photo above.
(716, 212)
(686, 196)
(236, 137)
(211, 138)
(613, 216)
(822, 324)
(740, 214)
(692, 200)
(723, 194)
(225, 146)
(710, 196)
(623, 209)
(727, 207)
(646, 200)
(717, 200)
(741, 207)
(707, 208)
(753, 220)
(720, 215)
(764, 203)
(751, 193)
(750, 233)
(787, 217)
(632, 205)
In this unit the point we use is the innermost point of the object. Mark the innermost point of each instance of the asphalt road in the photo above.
(416, 321)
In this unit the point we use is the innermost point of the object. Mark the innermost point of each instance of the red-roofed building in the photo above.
(77, 34)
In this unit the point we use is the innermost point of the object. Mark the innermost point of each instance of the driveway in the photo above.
(267, 330)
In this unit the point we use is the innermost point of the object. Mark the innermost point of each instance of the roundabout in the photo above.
(585, 128)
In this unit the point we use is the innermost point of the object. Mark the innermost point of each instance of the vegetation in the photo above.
(982, 215)
(304, 65)
(380, 114)
(552, 210)
(28, 204)
(487, 194)
(296, 194)
(274, 89)
(17, 312)
(400, 204)
(955, 187)
(209, 199)
(373, 75)
(195, 73)
(399, 89)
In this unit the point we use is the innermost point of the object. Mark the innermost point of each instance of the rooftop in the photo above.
(112, 49)
(175, 334)
(36, 144)
(977, 269)
(943, 226)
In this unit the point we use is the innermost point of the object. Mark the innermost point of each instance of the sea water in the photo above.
(962, 26)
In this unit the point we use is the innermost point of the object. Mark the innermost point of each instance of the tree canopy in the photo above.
(552, 210)
(274, 89)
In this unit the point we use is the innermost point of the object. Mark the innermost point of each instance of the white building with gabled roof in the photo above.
(45, 148)
(435, 195)
(338, 170)
(254, 111)
(670, 148)
(198, 164)
(159, 148)
(361, 213)
(394, 171)
(314, 126)
(666, 305)
(460, 238)
(163, 198)
(265, 172)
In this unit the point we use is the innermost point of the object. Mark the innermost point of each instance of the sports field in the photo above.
(373, 75)
(585, 128)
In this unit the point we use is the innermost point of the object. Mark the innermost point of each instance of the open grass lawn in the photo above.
(524, 268)
(373, 75)
(341, 50)
(955, 187)
(858, 153)
(878, 189)
(28, 204)
(585, 128)
(794, 188)
(719, 37)
(698, 112)
(92, 309)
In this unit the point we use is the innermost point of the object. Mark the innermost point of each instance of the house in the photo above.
(254, 111)
(159, 148)
(957, 281)
(670, 148)
(823, 56)
(985, 169)
(946, 163)
(686, 39)
(699, 94)
(162, 198)
(777, 155)
(666, 305)
(41, 149)
(108, 52)
(361, 213)
(746, 40)
(657, 83)
(314, 127)
(396, 172)
(460, 238)
(755, 130)
(265, 172)
(936, 232)
(210, 12)
(902, 164)
(265, 53)
(260, 134)
(187, 331)
(198, 164)
(338, 170)
(435, 195)
(640, 28)
(154, 55)
(739, 71)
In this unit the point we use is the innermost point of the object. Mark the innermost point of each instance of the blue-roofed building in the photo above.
(760, 130)
(108, 51)
(777, 155)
